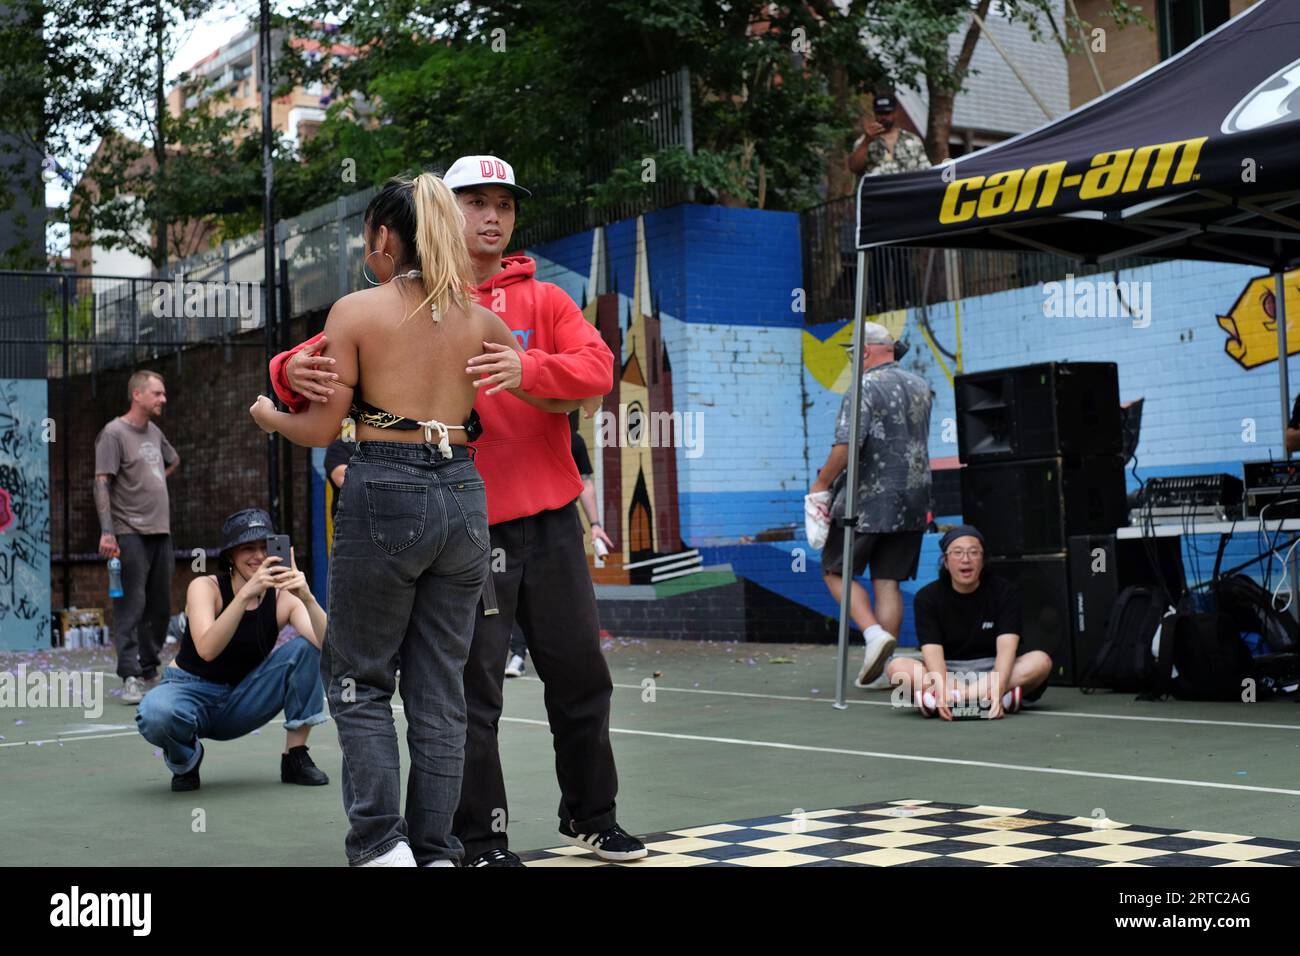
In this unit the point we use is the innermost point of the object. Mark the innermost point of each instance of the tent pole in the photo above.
(1283, 376)
(851, 484)
(1284, 382)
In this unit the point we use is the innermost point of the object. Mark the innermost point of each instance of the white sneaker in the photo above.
(873, 663)
(880, 683)
(133, 690)
(441, 863)
(399, 855)
(515, 666)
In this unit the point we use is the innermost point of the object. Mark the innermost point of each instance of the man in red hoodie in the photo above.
(539, 563)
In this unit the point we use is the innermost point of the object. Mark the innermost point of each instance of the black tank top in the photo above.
(251, 644)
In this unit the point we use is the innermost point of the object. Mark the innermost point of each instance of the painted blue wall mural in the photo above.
(768, 386)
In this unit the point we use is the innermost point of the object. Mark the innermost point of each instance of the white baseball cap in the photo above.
(873, 333)
(484, 171)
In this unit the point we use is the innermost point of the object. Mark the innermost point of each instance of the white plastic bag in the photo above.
(817, 518)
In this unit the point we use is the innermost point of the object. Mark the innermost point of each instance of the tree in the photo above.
(90, 88)
(547, 82)
(913, 46)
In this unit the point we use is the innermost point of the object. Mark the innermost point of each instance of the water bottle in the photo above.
(115, 577)
(601, 550)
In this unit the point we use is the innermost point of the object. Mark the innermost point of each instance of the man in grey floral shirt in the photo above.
(893, 496)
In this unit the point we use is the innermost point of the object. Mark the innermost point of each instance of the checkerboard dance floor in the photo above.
(925, 833)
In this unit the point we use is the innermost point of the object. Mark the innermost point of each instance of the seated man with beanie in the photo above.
(229, 679)
(969, 623)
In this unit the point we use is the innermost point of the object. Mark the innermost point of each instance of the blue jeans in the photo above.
(185, 707)
(411, 551)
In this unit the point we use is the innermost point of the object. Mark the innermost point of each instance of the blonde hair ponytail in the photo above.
(440, 247)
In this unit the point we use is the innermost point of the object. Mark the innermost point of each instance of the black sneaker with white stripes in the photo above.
(614, 844)
(497, 857)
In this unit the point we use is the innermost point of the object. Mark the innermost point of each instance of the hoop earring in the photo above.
(365, 262)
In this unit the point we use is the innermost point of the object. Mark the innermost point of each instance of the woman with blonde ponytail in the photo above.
(411, 541)
(445, 270)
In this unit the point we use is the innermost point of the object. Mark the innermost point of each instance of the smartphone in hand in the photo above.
(277, 546)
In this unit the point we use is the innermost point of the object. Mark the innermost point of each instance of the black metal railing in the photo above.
(54, 325)
(900, 277)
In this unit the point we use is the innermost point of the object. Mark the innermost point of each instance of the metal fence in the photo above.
(55, 325)
(652, 118)
(320, 255)
(901, 277)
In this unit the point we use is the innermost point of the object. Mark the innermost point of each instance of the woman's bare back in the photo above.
(410, 365)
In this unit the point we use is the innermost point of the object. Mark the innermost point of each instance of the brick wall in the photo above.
(1128, 52)
(223, 459)
(723, 280)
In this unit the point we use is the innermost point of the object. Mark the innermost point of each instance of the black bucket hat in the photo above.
(244, 527)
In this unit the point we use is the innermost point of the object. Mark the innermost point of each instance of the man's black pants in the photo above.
(541, 576)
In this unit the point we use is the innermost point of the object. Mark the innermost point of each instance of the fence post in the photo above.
(286, 475)
(688, 132)
(225, 277)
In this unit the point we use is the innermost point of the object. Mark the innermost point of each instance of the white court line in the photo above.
(776, 745)
(59, 740)
(1032, 710)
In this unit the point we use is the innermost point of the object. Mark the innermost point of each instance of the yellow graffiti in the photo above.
(1251, 323)
(828, 360)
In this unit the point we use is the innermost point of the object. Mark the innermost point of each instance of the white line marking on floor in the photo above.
(988, 765)
(91, 728)
(1034, 711)
(59, 740)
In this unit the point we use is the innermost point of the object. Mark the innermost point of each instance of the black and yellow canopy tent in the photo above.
(1198, 158)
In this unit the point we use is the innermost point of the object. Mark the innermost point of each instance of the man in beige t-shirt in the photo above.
(132, 461)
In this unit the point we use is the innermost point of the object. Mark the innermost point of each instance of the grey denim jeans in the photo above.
(411, 552)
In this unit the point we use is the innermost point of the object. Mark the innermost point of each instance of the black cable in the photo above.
(1146, 529)
(923, 316)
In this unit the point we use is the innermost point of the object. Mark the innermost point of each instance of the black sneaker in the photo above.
(182, 782)
(613, 844)
(497, 857)
(297, 767)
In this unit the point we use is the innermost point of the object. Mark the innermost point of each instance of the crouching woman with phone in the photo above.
(229, 678)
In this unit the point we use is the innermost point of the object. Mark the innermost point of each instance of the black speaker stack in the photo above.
(1043, 480)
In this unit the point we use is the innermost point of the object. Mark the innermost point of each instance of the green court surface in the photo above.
(724, 732)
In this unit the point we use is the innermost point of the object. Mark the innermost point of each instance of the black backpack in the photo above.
(1252, 610)
(1209, 657)
(1124, 661)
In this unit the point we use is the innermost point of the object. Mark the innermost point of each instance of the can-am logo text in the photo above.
(1110, 172)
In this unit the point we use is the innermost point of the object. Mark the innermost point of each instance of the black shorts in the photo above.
(893, 555)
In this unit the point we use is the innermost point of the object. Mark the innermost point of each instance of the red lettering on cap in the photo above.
(485, 168)
(501, 169)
